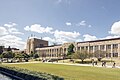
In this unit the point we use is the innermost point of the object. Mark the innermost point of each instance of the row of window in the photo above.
(56, 55)
(112, 55)
(102, 47)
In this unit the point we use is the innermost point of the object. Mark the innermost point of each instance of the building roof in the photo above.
(100, 40)
(51, 45)
(37, 39)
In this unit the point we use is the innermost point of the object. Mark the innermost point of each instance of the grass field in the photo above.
(73, 72)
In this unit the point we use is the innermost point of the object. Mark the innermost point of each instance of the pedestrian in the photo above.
(93, 62)
(113, 65)
(102, 64)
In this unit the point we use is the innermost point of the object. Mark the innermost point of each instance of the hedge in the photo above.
(28, 75)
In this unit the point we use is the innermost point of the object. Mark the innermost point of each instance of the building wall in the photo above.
(111, 46)
(1, 49)
(34, 43)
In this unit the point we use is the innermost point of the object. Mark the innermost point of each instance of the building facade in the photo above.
(33, 43)
(110, 46)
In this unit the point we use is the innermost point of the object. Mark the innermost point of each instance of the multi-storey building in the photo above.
(110, 46)
(33, 43)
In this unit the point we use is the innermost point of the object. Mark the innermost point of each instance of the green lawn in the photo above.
(73, 72)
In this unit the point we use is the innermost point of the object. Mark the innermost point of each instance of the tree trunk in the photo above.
(82, 61)
(7, 59)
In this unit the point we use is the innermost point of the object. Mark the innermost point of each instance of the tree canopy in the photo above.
(80, 55)
(70, 49)
(99, 54)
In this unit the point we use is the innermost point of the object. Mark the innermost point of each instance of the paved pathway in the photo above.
(107, 66)
(74, 64)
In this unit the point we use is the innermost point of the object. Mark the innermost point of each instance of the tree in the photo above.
(25, 55)
(19, 56)
(80, 55)
(9, 49)
(99, 54)
(8, 55)
(70, 49)
(22, 55)
(31, 54)
(35, 55)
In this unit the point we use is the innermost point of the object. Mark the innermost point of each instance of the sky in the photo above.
(58, 21)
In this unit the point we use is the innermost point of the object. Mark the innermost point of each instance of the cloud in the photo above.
(89, 26)
(55, 40)
(12, 40)
(63, 36)
(27, 28)
(8, 36)
(68, 23)
(88, 37)
(63, 1)
(109, 37)
(49, 39)
(66, 34)
(59, 1)
(59, 36)
(11, 28)
(10, 24)
(38, 28)
(82, 23)
(115, 29)
(3, 31)
(14, 31)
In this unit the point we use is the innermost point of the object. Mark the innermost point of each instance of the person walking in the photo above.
(102, 64)
(93, 62)
(113, 65)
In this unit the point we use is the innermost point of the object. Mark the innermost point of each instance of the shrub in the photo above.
(107, 61)
(29, 75)
(85, 62)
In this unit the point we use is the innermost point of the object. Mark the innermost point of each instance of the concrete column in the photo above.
(63, 50)
(56, 52)
(76, 48)
(49, 52)
(118, 50)
(105, 48)
(98, 47)
(84, 47)
(80, 48)
(93, 49)
(111, 50)
(88, 49)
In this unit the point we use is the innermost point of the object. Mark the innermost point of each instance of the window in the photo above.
(91, 47)
(82, 48)
(115, 46)
(96, 47)
(102, 47)
(109, 55)
(108, 46)
(78, 48)
(115, 54)
(86, 47)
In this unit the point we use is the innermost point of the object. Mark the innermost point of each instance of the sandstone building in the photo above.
(111, 46)
(33, 43)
